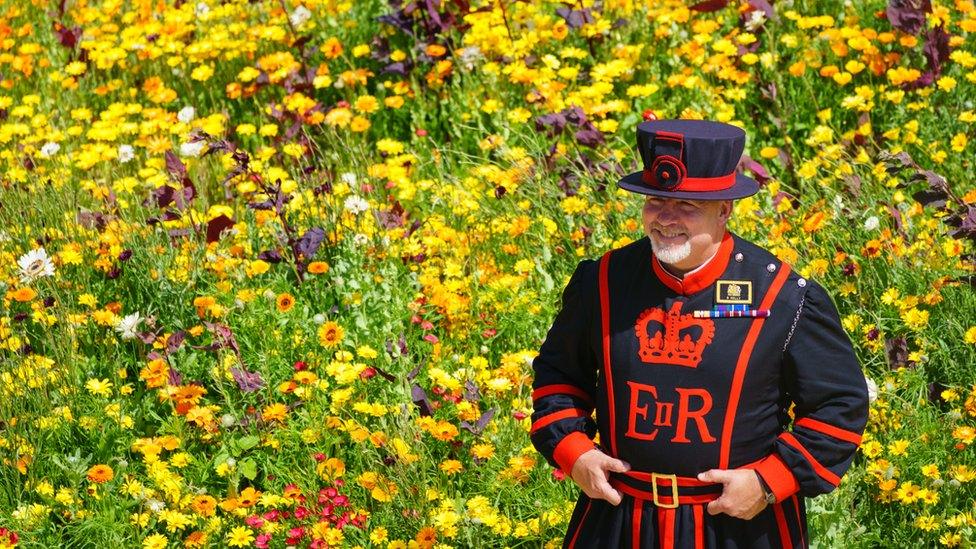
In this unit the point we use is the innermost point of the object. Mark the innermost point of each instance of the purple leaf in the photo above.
(309, 243)
(764, 6)
(247, 381)
(896, 349)
(757, 169)
(590, 137)
(175, 167)
(419, 398)
(575, 18)
(174, 377)
(271, 256)
(482, 422)
(931, 197)
(223, 336)
(216, 226)
(174, 341)
(386, 375)
(553, 123)
(399, 68)
(936, 49)
(575, 115)
(908, 15)
(471, 393)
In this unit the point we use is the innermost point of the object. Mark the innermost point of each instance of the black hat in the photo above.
(690, 159)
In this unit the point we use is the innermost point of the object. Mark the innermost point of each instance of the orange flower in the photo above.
(205, 506)
(436, 50)
(318, 267)
(155, 374)
(426, 537)
(101, 474)
(285, 302)
(330, 334)
(275, 412)
(23, 295)
(196, 539)
(249, 496)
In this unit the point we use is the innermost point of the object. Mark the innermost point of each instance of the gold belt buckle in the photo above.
(674, 490)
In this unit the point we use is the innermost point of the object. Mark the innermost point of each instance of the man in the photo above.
(691, 345)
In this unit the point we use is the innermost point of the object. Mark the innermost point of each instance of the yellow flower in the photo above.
(99, 387)
(202, 73)
(155, 541)
(359, 124)
(239, 537)
(907, 492)
(451, 466)
(970, 336)
(898, 447)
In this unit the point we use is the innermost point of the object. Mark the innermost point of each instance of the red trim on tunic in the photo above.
(743, 363)
(699, 514)
(636, 526)
(799, 521)
(562, 389)
(829, 430)
(570, 448)
(579, 527)
(556, 416)
(700, 278)
(778, 476)
(784, 529)
(824, 473)
(605, 323)
(665, 522)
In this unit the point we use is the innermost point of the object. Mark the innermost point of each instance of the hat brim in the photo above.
(744, 186)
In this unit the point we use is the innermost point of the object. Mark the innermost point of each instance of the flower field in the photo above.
(274, 272)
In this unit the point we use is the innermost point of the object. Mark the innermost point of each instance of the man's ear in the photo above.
(726, 210)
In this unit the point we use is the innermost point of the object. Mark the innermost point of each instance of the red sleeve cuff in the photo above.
(778, 477)
(570, 448)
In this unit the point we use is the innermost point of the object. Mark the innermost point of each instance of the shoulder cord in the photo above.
(796, 319)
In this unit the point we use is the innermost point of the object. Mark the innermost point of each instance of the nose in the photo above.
(666, 215)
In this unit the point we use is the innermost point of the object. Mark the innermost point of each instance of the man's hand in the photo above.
(592, 471)
(742, 495)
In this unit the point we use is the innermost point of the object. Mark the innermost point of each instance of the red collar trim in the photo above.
(700, 278)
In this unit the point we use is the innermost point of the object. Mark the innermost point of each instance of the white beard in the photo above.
(671, 254)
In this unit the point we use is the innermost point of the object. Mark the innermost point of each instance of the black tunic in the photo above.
(679, 395)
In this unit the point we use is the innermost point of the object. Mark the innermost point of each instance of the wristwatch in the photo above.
(767, 493)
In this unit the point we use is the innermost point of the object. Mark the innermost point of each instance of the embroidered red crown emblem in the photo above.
(672, 338)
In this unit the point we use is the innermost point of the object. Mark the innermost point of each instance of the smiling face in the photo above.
(685, 233)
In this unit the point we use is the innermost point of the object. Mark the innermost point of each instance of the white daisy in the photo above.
(126, 153)
(192, 149)
(35, 264)
(128, 324)
(186, 114)
(50, 149)
(356, 205)
(299, 16)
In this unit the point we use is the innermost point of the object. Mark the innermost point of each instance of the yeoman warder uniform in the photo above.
(698, 373)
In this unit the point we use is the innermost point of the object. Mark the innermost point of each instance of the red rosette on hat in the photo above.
(668, 171)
